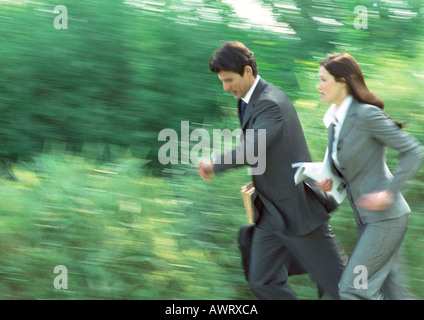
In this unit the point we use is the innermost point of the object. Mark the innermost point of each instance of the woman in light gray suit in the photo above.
(358, 132)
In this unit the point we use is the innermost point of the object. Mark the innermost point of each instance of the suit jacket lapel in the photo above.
(349, 120)
(253, 100)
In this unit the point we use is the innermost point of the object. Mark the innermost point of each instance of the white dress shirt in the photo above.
(337, 116)
(249, 93)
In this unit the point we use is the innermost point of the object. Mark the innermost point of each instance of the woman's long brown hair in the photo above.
(343, 67)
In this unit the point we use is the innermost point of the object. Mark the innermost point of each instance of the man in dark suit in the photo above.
(291, 222)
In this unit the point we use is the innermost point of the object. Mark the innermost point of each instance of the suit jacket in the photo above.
(365, 133)
(295, 208)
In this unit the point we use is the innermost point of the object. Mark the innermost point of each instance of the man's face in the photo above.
(236, 84)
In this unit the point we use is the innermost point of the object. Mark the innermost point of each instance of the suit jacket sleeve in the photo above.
(378, 124)
(265, 126)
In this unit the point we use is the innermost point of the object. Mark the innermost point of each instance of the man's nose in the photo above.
(226, 87)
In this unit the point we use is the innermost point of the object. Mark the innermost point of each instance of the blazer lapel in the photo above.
(253, 100)
(349, 120)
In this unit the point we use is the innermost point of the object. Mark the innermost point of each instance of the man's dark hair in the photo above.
(233, 56)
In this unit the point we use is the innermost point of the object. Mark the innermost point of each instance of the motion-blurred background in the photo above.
(80, 113)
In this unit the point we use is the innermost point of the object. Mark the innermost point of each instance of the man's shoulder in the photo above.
(270, 92)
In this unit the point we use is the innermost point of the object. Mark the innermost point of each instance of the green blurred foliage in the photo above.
(81, 184)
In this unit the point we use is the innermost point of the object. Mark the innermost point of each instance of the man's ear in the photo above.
(248, 71)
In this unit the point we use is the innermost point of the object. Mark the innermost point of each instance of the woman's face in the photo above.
(331, 91)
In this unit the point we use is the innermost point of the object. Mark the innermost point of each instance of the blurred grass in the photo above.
(120, 233)
(123, 234)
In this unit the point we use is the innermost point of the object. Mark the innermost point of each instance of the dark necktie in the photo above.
(330, 149)
(242, 110)
(330, 141)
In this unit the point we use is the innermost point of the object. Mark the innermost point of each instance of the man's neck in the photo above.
(248, 95)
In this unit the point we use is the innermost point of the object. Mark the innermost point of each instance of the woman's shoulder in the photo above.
(365, 107)
(369, 112)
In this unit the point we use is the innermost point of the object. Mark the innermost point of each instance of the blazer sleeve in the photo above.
(411, 154)
(266, 126)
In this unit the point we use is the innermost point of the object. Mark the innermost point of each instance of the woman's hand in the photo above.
(325, 185)
(376, 201)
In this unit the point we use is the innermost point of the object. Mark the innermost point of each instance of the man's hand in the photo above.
(376, 201)
(325, 185)
(205, 170)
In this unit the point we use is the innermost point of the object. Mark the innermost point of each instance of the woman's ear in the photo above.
(343, 84)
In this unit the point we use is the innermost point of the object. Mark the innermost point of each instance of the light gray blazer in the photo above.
(365, 133)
